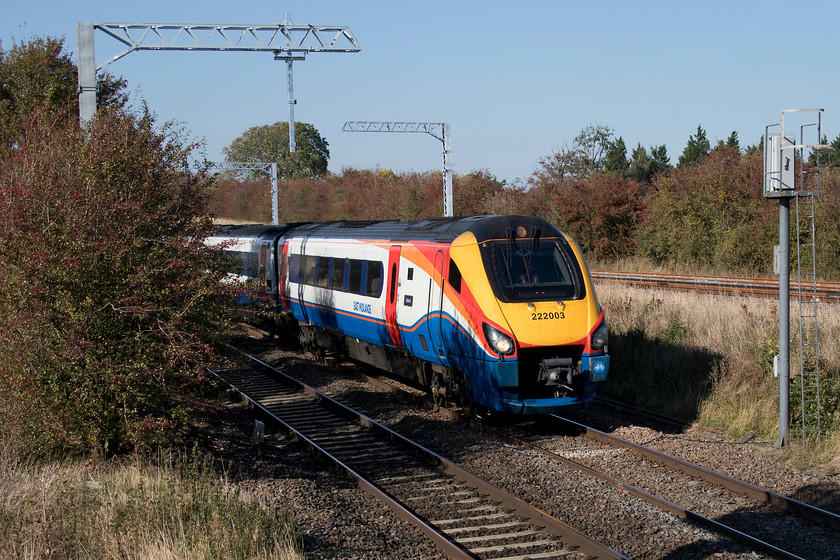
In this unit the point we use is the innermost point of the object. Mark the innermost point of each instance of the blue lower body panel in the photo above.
(496, 386)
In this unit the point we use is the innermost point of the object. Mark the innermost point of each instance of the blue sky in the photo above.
(515, 80)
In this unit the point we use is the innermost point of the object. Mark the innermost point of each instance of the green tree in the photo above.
(39, 76)
(270, 143)
(659, 159)
(641, 166)
(615, 160)
(732, 141)
(696, 150)
(829, 157)
(109, 299)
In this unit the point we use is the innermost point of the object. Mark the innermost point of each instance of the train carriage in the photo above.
(496, 311)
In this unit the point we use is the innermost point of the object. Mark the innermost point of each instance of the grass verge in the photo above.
(169, 506)
(709, 358)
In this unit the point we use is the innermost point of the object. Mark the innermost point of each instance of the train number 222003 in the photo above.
(551, 315)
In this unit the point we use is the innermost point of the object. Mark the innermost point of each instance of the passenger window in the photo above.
(338, 274)
(373, 285)
(294, 268)
(323, 272)
(454, 276)
(309, 263)
(354, 277)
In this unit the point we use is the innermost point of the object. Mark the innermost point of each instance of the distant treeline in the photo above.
(710, 215)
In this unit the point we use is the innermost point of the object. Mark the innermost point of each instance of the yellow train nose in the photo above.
(548, 323)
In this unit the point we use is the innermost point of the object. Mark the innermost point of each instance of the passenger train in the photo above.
(492, 311)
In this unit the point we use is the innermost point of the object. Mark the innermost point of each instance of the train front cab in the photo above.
(544, 337)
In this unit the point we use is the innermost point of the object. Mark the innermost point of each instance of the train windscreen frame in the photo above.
(525, 270)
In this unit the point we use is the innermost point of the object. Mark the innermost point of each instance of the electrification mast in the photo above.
(270, 168)
(436, 130)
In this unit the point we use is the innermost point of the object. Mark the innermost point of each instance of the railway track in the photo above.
(761, 287)
(759, 518)
(465, 516)
(765, 521)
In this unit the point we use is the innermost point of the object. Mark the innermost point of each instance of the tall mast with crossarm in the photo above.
(288, 41)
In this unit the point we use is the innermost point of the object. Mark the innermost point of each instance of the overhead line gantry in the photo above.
(439, 131)
(289, 42)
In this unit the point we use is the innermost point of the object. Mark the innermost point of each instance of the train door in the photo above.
(263, 266)
(302, 280)
(283, 275)
(392, 295)
(436, 318)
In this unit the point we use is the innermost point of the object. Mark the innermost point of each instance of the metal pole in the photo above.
(292, 102)
(784, 321)
(275, 213)
(87, 72)
(447, 174)
(429, 128)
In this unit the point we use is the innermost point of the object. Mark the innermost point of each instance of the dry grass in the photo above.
(166, 508)
(709, 358)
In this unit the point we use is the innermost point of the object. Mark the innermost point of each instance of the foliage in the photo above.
(732, 141)
(615, 160)
(827, 222)
(711, 212)
(830, 156)
(404, 196)
(584, 157)
(601, 213)
(696, 150)
(641, 166)
(109, 299)
(659, 159)
(39, 76)
(270, 144)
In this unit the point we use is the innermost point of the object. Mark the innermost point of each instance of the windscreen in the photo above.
(534, 271)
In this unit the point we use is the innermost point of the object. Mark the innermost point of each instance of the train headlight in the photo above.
(600, 337)
(501, 343)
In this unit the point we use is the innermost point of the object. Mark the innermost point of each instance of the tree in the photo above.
(110, 301)
(659, 159)
(732, 141)
(270, 143)
(39, 76)
(615, 160)
(601, 213)
(711, 212)
(586, 156)
(696, 150)
(641, 166)
(594, 141)
(829, 157)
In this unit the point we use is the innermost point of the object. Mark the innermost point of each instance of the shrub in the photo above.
(602, 213)
(109, 300)
(713, 211)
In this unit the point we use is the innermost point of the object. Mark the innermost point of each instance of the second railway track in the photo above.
(762, 287)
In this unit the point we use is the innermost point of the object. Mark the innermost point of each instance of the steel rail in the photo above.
(760, 495)
(657, 501)
(261, 395)
(766, 287)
